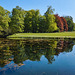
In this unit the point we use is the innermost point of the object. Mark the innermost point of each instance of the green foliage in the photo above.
(74, 27)
(52, 26)
(31, 21)
(1, 29)
(50, 20)
(34, 22)
(4, 21)
(50, 10)
(17, 20)
(70, 23)
(42, 24)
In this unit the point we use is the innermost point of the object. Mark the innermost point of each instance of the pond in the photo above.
(37, 57)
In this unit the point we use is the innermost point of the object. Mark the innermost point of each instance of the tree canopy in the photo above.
(71, 24)
(22, 21)
(50, 20)
(4, 21)
(31, 21)
(17, 20)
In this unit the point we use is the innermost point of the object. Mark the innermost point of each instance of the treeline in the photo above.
(21, 21)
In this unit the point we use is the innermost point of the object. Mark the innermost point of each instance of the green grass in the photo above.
(43, 35)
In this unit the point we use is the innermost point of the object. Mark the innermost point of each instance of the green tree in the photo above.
(28, 21)
(1, 29)
(17, 20)
(50, 20)
(32, 21)
(42, 24)
(74, 27)
(52, 26)
(4, 21)
(50, 10)
(70, 23)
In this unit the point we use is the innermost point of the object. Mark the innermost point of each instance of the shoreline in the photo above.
(43, 35)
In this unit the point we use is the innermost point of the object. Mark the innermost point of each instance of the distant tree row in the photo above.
(21, 21)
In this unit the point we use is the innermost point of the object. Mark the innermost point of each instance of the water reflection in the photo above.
(22, 50)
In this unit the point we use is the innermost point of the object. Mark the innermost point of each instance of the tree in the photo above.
(50, 10)
(4, 21)
(50, 20)
(1, 29)
(42, 24)
(65, 25)
(74, 27)
(70, 23)
(17, 20)
(31, 21)
(59, 23)
(52, 26)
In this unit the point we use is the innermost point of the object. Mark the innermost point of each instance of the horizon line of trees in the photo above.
(21, 21)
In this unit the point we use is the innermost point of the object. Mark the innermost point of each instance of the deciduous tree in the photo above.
(17, 20)
(70, 23)
(4, 21)
(31, 21)
(65, 25)
(59, 23)
(50, 20)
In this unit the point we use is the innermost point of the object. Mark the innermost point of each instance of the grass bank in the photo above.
(43, 35)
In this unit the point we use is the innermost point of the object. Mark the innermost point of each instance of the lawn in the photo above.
(43, 35)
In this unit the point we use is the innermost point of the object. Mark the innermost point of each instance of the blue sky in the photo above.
(62, 7)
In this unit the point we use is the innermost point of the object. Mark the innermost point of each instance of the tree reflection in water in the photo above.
(22, 50)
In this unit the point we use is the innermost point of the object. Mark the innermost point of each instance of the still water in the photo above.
(37, 57)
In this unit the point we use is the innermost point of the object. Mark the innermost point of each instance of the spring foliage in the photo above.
(21, 21)
(4, 21)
